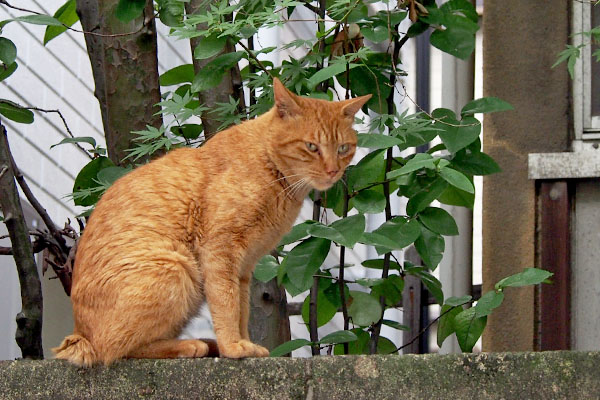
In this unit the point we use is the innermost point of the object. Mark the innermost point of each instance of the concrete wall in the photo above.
(521, 42)
(550, 375)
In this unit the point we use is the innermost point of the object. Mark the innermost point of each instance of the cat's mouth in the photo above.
(324, 183)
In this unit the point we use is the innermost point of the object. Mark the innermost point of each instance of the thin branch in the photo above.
(341, 283)
(146, 22)
(424, 330)
(64, 121)
(36, 205)
(310, 7)
(253, 56)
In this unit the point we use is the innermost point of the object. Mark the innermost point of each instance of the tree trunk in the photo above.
(231, 84)
(125, 70)
(29, 320)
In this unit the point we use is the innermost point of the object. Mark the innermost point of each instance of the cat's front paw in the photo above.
(242, 349)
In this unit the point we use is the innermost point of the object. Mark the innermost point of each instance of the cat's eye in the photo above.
(312, 147)
(343, 149)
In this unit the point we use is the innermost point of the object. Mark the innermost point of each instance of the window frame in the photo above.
(587, 127)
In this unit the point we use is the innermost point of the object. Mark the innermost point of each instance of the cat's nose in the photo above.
(333, 173)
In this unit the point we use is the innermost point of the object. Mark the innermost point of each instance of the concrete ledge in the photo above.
(547, 375)
(581, 164)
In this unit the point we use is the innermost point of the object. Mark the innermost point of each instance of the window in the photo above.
(586, 86)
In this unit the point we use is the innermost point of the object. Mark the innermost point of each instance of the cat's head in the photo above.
(315, 140)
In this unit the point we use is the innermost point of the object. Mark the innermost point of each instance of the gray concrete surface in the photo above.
(549, 375)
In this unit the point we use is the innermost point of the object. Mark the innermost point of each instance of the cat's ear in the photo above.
(285, 101)
(352, 106)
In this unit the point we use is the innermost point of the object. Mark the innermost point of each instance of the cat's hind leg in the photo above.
(176, 348)
(142, 302)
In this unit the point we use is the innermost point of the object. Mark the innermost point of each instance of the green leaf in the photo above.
(488, 302)
(369, 201)
(15, 112)
(210, 46)
(425, 196)
(485, 105)
(6, 71)
(385, 346)
(359, 346)
(128, 10)
(109, 175)
(446, 323)
(34, 19)
(188, 131)
(333, 198)
(66, 14)
(390, 289)
(364, 309)
(420, 160)
(431, 282)
(570, 54)
(468, 329)
(175, 76)
(395, 325)
(8, 51)
(246, 31)
(82, 139)
(395, 234)
(371, 168)
(375, 33)
(529, 276)
(463, 6)
(326, 73)
(438, 220)
(325, 309)
(170, 12)
(298, 232)
(458, 301)
(339, 337)
(377, 141)
(87, 179)
(457, 179)
(430, 247)
(266, 269)
(346, 231)
(456, 197)
(304, 260)
(378, 264)
(454, 41)
(475, 163)
(456, 135)
(211, 75)
(288, 347)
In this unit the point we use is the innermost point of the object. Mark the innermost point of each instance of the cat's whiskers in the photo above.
(291, 190)
(283, 177)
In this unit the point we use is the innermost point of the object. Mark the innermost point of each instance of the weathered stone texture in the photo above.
(548, 375)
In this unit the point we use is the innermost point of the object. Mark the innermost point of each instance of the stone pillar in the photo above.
(521, 42)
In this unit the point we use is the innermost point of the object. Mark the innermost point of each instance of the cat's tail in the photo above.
(76, 349)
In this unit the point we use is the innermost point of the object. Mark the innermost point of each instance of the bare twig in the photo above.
(7, 4)
(37, 206)
(424, 330)
(64, 121)
(253, 56)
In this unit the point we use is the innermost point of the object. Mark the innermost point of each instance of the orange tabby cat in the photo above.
(191, 225)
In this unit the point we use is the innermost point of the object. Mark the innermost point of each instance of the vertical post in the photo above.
(412, 304)
(555, 243)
